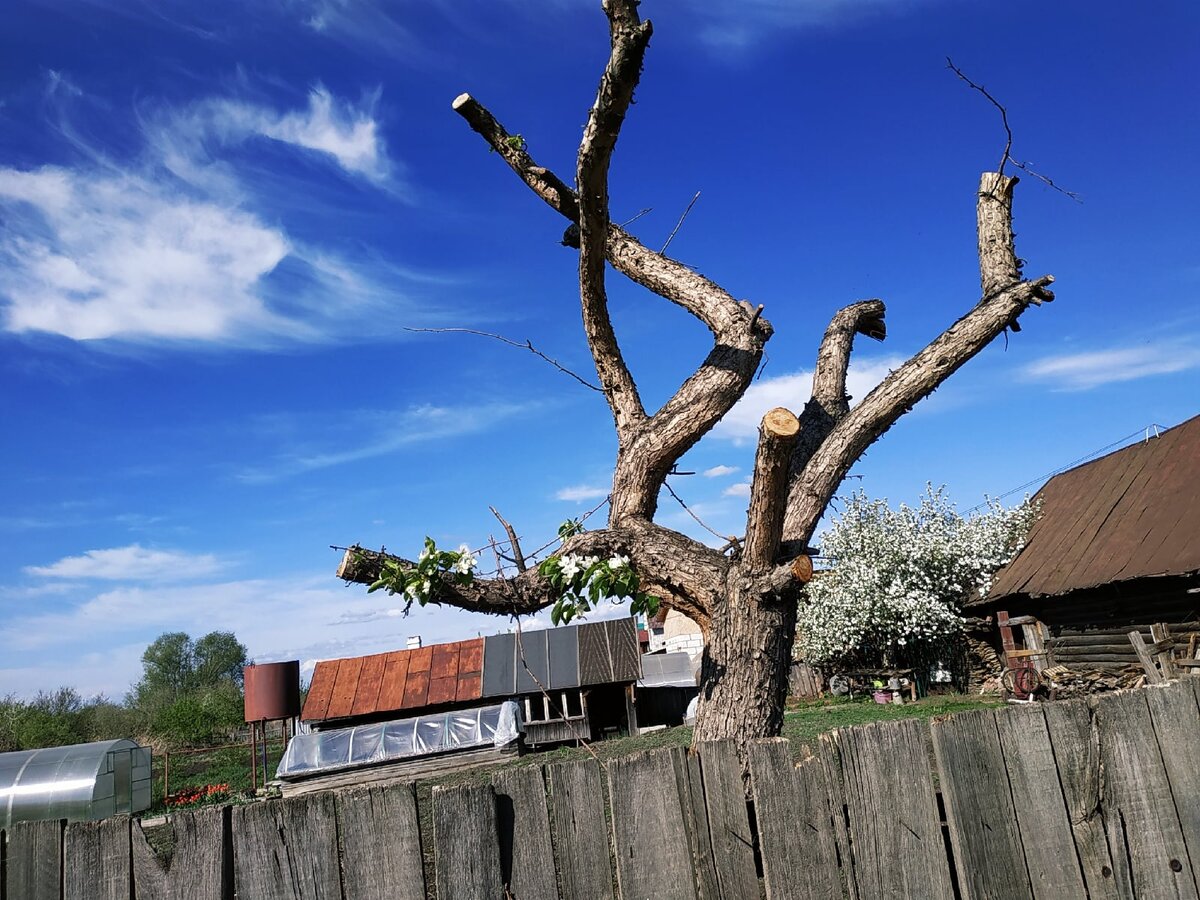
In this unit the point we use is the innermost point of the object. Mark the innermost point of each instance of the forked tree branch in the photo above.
(1005, 298)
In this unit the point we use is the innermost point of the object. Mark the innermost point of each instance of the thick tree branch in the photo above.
(685, 572)
(629, 40)
(764, 520)
(704, 299)
(1008, 297)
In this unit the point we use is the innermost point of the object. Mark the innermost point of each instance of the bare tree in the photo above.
(745, 601)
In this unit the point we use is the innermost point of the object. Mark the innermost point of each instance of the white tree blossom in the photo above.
(899, 577)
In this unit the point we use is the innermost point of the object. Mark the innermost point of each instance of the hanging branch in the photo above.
(520, 345)
(679, 224)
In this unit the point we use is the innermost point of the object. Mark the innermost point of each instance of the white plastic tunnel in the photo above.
(80, 782)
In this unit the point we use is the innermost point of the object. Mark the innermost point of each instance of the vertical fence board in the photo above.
(526, 853)
(1177, 724)
(466, 840)
(34, 865)
(728, 821)
(795, 828)
(96, 860)
(650, 834)
(979, 809)
(1139, 809)
(894, 829)
(580, 833)
(691, 792)
(1077, 754)
(827, 754)
(381, 843)
(199, 864)
(286, 849)
(1038, 800)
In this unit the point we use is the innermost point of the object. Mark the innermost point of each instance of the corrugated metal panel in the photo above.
(533, 662)
(595, 659)
(564, 657)
(499, 665)
(1132, 514)
(623, 646)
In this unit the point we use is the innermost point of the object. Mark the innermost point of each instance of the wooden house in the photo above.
(1117, 549)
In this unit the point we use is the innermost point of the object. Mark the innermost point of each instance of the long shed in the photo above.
(1117, 548)
(571, 681)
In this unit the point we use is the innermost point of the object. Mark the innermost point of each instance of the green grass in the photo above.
(229, 766)
(805, 722)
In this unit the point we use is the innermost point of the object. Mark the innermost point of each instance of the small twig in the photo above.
(702, 523)
(679, 224)
(518, 559)
(1024, 167)
(996, 103)
(628, 222)
(520, 345)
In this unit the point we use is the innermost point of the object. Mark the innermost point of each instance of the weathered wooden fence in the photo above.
(1039, 802)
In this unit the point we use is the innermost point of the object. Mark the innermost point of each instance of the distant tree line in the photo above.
(190, 694)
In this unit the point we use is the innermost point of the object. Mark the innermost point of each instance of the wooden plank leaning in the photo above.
(526, 852)
(988, 854)
(286, 849)
(1153, 676)
(891, 813)
(380, 837)
(795, 829)
(1076, 746)
(1175, 712)
(96, 862)
(648, 815)
(728, 821)
(1042, 821)
(1140, 817)
(467, 844)
(580, 833)
(197, 869)
(33, 866)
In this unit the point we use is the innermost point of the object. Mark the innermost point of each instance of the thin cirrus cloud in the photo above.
(719, 471)
(792, 391)
(579, 493)
(169, 246)
(1083, 371)
(132, 563)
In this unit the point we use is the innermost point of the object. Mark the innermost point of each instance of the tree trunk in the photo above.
(744, 675)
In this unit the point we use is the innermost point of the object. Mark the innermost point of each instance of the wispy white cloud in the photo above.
(1083, 371)
(578, 493)
(792, 391)
(719, 471)
(367, 434)
(741, 489)
(132, 563)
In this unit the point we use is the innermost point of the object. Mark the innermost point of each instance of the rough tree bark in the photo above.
(745, 600)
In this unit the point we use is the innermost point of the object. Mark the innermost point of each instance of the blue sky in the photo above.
(217, 219)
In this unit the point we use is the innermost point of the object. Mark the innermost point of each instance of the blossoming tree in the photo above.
(745, 597)
(899, 578)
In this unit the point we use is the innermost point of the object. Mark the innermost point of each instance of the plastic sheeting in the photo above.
(367, 745)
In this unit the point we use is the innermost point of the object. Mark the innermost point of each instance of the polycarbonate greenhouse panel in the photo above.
(80, 782)
(319, 752)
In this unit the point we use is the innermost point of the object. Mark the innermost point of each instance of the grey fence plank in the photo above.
(466, 843)
(728, 821)
(526, 852)
(198, 866)
(1140, 816)
(286, 849)
(1041, 811)
(695, 818)
(836, 793)
(381, 843)
(1077, 755)
(96, 862)
(580, 832)
(795, 828)
(34, 863)
(894, 828)
(649, 826)
(979, 809)
(1177, 723)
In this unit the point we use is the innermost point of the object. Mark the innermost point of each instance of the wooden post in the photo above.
(253, 759)
(631, 709)
(1161, 633)
(1153, 676)
(166, 775)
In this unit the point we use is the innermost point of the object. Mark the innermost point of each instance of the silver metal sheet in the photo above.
(499, 665)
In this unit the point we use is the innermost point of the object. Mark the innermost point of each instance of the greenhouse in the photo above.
(81, 782)
(319, 752)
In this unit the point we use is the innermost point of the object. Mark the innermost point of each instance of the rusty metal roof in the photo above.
(1132, 514)
(566, 657)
